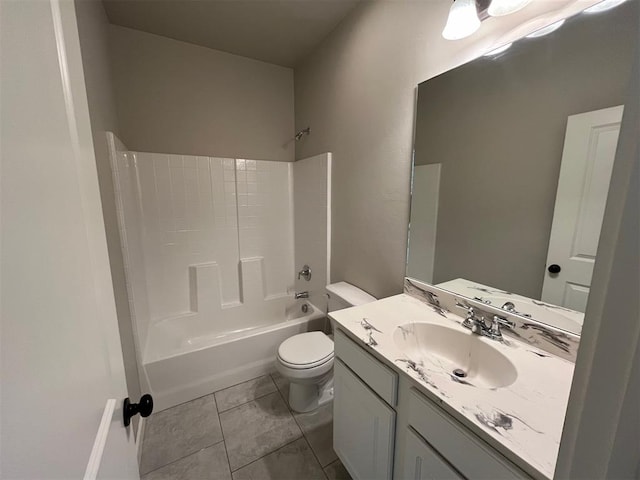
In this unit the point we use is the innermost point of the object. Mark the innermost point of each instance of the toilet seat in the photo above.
(306, 366)
(306, 351)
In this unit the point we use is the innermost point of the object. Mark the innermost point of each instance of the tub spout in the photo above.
(299, 295)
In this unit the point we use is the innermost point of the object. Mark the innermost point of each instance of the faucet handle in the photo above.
(471, 313)
(499, 322)
(503, 322)
(305, 273)
(470, 321)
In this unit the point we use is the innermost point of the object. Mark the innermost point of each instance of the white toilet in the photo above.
(306, 359)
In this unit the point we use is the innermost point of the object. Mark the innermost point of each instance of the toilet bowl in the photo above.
(306, 359)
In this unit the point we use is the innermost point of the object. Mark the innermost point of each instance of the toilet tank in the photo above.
(344, 295)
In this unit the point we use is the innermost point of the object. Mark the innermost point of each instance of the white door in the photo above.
(61, 359)
(587, 160)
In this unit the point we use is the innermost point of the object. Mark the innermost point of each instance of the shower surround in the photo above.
(208, 246)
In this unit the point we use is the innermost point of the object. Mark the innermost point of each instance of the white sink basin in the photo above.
(463, 355)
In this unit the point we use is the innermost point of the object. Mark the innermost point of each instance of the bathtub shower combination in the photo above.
(211, 247)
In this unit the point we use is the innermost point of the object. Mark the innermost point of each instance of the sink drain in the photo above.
(459, 373)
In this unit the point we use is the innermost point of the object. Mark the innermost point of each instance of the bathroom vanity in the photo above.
(467, 373)
(417, 395)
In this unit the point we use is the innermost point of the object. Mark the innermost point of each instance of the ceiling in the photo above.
(274, 31)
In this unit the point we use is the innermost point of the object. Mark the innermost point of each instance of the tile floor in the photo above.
(244, 432)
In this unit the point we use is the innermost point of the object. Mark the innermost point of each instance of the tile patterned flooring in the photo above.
(244, 432)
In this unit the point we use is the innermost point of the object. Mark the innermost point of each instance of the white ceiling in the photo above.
(275, 31)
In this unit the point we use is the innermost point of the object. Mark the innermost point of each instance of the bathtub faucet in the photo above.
(305, 273)
(299, 295)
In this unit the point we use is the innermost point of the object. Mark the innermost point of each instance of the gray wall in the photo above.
(357, 92)
(93, 32)
(497, 126)
(176, 97)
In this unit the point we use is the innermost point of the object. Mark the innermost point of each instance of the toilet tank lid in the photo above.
(350, 294)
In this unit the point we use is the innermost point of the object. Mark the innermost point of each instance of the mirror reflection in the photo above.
(513, 158)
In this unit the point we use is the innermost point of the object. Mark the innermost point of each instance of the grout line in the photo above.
(324, 472)
(200, 449)
(313, 451)
(216, 391)
(267, 454)
(286, 401)
(308, 443)
(183, 457)
(337, 460)
(224, 442)
(293, 414)
(240, 383)
(248, 401)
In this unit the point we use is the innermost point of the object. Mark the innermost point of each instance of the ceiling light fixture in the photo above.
(498, 50)
(546, 30)
(499, 8)
(604, 6)
(462, 21)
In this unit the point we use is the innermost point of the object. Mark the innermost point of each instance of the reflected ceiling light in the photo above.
(498, 8)
(463, 20)
(604, 6)
(498, 50)
(546, 30)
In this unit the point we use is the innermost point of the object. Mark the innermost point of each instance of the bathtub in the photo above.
(183, 361)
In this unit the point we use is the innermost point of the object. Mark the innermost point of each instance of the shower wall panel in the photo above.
(312, 220)
(189, 216)
(231, 218)
(265, 215)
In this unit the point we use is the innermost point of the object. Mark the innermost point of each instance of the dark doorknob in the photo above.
(144, 407)
(554, 268)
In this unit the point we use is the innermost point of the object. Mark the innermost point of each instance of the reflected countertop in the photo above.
(544, 312)
(523, 420)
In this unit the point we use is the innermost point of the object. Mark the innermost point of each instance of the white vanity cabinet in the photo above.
(385, 428)
(363, 427)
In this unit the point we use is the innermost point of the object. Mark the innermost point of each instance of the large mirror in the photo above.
(513, 158)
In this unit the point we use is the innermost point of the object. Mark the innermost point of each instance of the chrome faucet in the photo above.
(299, 295)
(474, 323)
(305, 273)
(478, 325)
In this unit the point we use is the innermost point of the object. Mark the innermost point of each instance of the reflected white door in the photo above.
(587, 160)
(425, 193)
(61, 358)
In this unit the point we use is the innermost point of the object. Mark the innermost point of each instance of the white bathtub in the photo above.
(183, 361)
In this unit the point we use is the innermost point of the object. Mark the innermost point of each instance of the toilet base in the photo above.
(308, 397)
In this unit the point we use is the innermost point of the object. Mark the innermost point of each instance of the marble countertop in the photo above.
(523, 420)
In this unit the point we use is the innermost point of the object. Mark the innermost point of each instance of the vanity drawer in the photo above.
(380, 378)
(470, 455)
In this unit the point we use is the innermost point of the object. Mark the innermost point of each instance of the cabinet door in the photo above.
(363, 427)
(421, 462)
